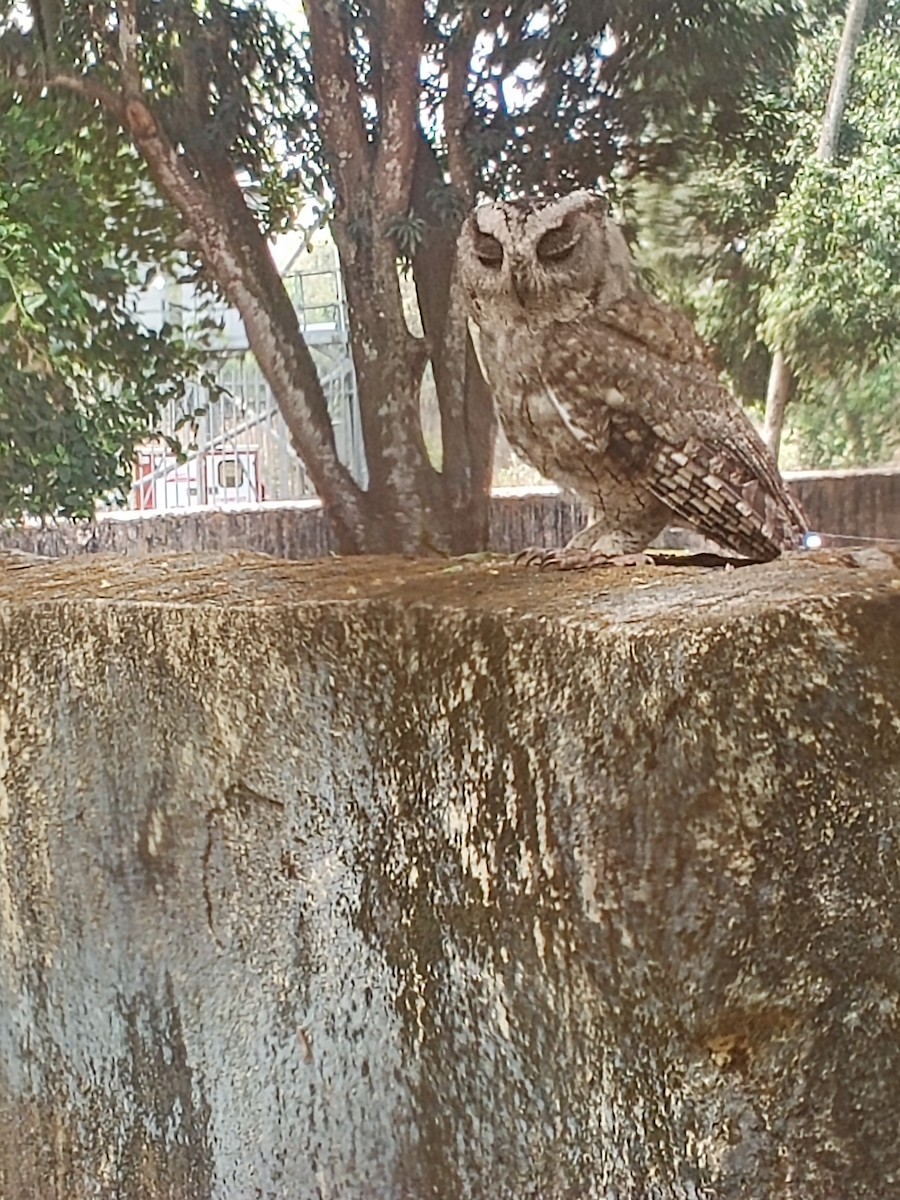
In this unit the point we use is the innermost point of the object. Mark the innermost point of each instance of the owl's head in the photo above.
(540, 261)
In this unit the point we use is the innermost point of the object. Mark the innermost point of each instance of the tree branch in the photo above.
(129, 42)
(457, 109)
(401, 51)
(238, 257)
(46, 17)
(338, 97)
(110, 100)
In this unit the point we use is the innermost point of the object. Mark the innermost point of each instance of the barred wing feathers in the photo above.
(640, 367)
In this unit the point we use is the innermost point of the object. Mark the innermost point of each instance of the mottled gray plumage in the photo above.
(608, 391)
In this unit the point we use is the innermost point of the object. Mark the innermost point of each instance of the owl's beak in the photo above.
(521, 284)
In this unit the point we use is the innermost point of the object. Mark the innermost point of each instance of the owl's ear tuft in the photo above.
(599, 200)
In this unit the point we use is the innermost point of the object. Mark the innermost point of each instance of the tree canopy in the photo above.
(770, 247)
(82, 378)
(832, 248)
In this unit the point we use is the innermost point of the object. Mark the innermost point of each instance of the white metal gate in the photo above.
(238, 451)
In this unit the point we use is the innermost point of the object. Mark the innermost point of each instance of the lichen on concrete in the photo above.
(377, 878)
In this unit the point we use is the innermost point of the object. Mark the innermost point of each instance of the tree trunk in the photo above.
(412, 507)
(468, 425)
(403, 493)
(826, 150)
(781, 376)
(408, 507)
(780, 383)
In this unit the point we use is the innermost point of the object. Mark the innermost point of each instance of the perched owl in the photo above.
(607, 391)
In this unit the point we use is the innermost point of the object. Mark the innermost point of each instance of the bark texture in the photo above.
(389, 879)
(411, 507)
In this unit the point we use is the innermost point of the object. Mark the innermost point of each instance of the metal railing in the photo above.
(246, 419)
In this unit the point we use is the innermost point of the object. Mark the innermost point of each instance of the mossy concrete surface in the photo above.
(383, 880)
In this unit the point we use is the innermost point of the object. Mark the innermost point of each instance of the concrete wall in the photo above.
(856, 503)
(375, 880)
(852, 503)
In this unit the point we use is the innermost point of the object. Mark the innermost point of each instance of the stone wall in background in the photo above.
(852, 503)
(856, 503)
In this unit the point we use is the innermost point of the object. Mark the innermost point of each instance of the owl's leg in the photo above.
(619, 531)
(598, 538)
(595, 546)
(622, 521)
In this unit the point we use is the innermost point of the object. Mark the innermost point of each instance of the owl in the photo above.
(609, 392)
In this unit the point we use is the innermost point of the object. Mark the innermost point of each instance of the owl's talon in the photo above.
(572, 558)
(531, 556)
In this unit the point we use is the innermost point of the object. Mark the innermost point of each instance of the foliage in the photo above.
(766, 246)
(850, 419)
(558, 93)
(408, 232)
(832, 250)
(617, 88)
(81, 378)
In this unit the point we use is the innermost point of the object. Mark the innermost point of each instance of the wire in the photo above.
(815, 540)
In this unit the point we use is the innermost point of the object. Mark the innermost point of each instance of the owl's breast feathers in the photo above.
(636, 378)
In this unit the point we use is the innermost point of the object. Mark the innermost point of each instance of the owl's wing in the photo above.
(674, 426)
(723, 482)
(645, 320)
